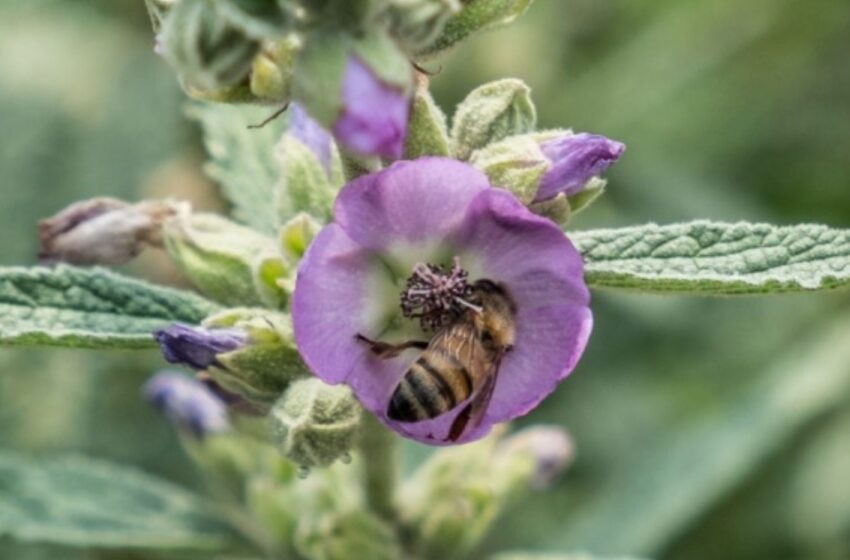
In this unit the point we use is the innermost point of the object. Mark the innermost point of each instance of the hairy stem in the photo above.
(379, 449)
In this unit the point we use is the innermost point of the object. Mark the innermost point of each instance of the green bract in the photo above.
(490, 113)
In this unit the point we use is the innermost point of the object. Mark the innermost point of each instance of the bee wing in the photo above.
(473, 414)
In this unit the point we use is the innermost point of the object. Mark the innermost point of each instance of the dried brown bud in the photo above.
(103, 231)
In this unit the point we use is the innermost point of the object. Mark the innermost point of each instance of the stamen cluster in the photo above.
(436, 296)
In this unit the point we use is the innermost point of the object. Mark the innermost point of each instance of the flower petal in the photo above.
(543, 272)
(340, 291)
(575, 159)
(374, 114)
(409, 203)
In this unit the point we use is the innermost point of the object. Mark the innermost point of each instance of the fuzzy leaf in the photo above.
(716, 258)
(684, 471)
(88, 307)
(243, 160)
(475, 16)
(78, 501)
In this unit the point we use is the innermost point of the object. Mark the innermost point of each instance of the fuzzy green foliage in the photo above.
(715, 258)
(89, 308)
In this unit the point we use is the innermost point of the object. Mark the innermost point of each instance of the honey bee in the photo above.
(459, 366)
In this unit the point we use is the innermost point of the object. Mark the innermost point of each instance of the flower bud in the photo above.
(490, 113)
(311, 172)
(217, 255)
(358, 88)
(475, 16)
(187, 403)
(573, 160)
(262, 369)
(297, 234)
(313, 423)
(271, 277)
(516, 163)
(459, 492)
(273, 68)
(549, 450)
(428, 133)
(197, 347)
(205, 47)
(103, 231)
(553, 172)
(347, 535)
(416, 24)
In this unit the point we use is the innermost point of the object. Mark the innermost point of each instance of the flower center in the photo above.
(436, 296)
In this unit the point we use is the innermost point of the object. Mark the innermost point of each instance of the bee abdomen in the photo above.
(424, 392)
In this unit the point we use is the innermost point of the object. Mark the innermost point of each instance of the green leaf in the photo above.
(242, 160)
(716, 258)
(475, 16)
(78, 501)
(88, 307)
(675, 478)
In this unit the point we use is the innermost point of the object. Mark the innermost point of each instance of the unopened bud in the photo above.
(416, 24)
(262, 369)
(273, 68)
(297, 234)
(516, 163)
(314, 424)
(490, 113)
(205, 47)
(103, 231)
(475, 16)
(459, 492)
(311, 172)
(187, 403)
(553, 172)
(549, 449)
(217, 255)
(198, 347)
(359, 88)
(574, 159)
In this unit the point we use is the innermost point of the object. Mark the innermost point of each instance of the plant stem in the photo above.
(379, 450)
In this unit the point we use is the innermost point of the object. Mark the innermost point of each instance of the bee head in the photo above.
(496, 322)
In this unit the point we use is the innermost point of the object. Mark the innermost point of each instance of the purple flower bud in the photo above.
(551, 447)
(103, 231)
(374, 114)
(187, 402)
(311, 134)
(197, 347)
(575, 159)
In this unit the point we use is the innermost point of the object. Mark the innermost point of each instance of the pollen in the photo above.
(435, 295)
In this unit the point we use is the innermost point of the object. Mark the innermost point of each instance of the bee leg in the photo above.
(385, 350)
(459, 425)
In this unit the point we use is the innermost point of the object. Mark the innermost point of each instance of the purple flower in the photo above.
(575, 159)
(374, 114)
(311, 134)
(187, 403)
(197, 347)
(401, 230)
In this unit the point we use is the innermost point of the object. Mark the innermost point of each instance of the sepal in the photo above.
(490, 113)
(315, 424)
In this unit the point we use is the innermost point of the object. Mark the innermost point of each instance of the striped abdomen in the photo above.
(434, 384)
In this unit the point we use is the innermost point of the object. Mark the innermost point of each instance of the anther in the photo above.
(436, 296)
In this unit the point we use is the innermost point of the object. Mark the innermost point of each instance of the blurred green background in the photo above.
(705, 428)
